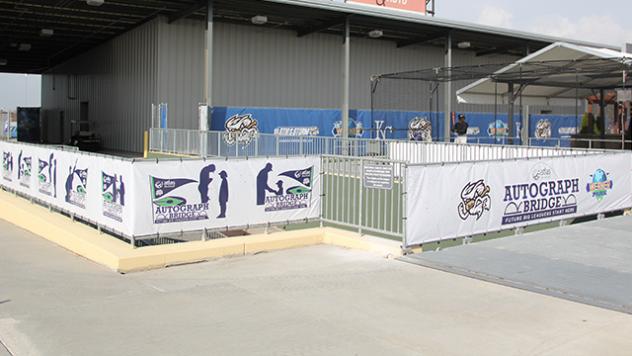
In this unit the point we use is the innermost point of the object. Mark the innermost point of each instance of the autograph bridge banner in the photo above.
(94, 188)
(458, 200)
(174, 196)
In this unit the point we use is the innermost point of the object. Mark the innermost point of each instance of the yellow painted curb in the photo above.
(120, 256)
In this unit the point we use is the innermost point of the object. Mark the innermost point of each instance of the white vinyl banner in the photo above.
(174, 196)
(457, 200)
(88, 186)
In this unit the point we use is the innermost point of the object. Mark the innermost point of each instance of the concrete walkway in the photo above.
(320, 300)
(589, 262)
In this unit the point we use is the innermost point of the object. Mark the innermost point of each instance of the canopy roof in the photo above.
(558, 74)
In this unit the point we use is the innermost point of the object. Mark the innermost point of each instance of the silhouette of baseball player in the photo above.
(223, 194)
(205, 180)
(262, 184)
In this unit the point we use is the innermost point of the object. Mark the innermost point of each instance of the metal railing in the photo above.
(589, 143)
(364, 193)
(219, 144)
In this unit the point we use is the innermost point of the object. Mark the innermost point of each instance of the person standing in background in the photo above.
(461, 130)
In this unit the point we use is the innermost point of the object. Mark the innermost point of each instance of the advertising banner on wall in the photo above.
(418, 6)
(174, 196)
(458, 200)
(91, 187)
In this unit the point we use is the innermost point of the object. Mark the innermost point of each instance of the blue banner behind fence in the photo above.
(486, 128)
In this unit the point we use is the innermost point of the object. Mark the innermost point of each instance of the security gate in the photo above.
(367, 194)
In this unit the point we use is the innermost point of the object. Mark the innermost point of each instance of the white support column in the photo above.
(346, 54)
(208, 64)
(205, 113)
(447, 107)
(525, 125)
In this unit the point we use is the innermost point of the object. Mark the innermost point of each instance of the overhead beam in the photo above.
(302, 32)
(422, 39)
(187, 11)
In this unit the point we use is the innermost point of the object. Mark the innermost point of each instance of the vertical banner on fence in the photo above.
(457, 200)
(91, 187)
(174, 196)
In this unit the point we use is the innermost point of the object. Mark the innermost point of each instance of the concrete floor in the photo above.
(320, 300)
(589, 262)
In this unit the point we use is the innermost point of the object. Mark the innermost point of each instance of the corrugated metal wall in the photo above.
(117, 80)
(253, 66)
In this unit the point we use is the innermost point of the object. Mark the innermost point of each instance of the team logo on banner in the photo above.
(544, 197)
(357, 129)
(599, 184)
(7, 166)
(76, 186)
(25, 169)
(543, 129)
(293, 189)
(420, 129)
(497, 128)
(241, 129)
(113, 193)
(475, 200)
(177, 199)
(47, 176)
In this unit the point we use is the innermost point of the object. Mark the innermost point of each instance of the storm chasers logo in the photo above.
(7, 165)
(475, 200)
(47, 176)
(282, 198)
(420, 129)
(540, 200)
(543, 129)
(25, 165)
(241, 129)
(599, 184)
(76, 186)
(177, 199)
(113, 193)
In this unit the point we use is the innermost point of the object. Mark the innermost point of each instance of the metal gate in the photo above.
(366, 194)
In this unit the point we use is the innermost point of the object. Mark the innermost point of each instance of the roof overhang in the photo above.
(79, 27)
(558, 74)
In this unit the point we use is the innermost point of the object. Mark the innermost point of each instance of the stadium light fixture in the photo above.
(95, 2)
(24, 47)
(259, 20)
(47, 32)
(3, 62)
(376, 33)
(464, 45)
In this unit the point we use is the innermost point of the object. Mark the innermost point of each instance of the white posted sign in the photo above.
(457, 200)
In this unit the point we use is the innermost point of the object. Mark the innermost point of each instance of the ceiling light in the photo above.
(376, 34)
(464, 45)
(47, 32)
(95, 2)
(3, 62)
(259, 20)
(24, 47)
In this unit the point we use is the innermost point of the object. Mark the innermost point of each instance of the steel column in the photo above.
(346, 54)
(447, 129)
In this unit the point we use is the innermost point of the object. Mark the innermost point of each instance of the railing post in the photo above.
(276, 139)
(300, 148)
(219, 144)
(361, 196)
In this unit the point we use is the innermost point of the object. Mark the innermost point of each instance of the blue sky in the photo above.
(577, 19)
(603, 22)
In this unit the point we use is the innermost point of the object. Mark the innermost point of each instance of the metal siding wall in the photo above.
(117, 79)
(181, 70)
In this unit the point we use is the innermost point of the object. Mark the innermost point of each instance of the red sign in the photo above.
(408, 5)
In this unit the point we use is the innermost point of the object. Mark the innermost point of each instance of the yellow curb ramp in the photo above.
(119, 256)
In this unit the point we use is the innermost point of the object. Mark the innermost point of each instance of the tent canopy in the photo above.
(559, 74)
